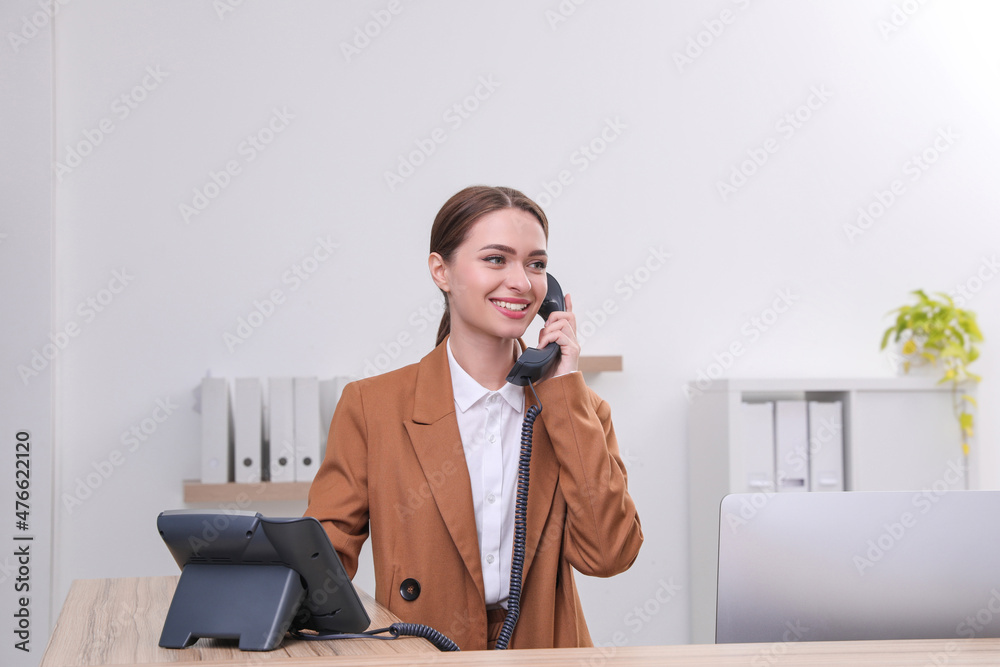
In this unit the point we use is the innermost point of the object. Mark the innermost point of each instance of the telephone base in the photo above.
(252, 603)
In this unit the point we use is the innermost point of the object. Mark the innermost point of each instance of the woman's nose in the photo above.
(517, 279)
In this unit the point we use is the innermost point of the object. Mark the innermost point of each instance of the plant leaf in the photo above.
(885, 338)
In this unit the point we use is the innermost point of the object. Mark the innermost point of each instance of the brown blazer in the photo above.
(395, 467)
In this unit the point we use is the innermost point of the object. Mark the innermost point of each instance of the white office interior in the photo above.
(737, 190)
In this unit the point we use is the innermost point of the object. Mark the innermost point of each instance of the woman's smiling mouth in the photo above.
(515, 309)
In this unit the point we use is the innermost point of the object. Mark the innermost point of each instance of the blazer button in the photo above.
(409, 589)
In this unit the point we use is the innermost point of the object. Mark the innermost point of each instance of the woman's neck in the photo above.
(487, 359)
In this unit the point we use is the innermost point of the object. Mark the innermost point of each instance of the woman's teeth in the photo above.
(511, 306)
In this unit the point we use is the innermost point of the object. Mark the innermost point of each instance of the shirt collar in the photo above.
(468, 392)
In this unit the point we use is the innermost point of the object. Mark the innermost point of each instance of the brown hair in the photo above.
(456, 217)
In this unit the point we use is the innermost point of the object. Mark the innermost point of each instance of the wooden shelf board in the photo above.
(196, 492)
(600, 364)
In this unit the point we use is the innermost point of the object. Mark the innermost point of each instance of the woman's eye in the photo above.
(495, 259)
(539, 265)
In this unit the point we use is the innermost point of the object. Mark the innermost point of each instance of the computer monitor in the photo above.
(250, 577)
(855, 566)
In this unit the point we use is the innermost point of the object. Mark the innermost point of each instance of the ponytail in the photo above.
(445, 327)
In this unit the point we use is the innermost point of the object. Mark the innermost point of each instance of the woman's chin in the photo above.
(510, 333)
(516, 331)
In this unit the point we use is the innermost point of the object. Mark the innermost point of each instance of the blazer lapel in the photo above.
(438, 444)
(436, 440)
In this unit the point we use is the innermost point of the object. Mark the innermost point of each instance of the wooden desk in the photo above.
(118, 622)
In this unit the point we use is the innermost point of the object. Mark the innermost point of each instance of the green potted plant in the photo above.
(936, 332)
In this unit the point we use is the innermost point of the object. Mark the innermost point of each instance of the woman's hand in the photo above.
(561, 328)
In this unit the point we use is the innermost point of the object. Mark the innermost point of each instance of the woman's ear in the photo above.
(439, 271)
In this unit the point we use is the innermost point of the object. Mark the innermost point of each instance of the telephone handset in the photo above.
(534, 363)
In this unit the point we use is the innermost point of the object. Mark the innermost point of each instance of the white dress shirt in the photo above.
(490, 425)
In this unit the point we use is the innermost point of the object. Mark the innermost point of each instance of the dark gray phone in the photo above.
(534, 363)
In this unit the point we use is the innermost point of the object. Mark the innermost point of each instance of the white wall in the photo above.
(878, 99)
(26, 290)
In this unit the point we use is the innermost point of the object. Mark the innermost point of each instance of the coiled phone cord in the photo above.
(520, 524)
(430, 634)
(442, 642)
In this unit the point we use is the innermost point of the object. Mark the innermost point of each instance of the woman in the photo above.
(425, 457)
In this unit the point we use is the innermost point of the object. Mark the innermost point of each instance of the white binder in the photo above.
(826, 446)
(249, 424)
(791, 446)
(329, 395)
(216, 432)
(281, 431)
(307, 428)
(756, 448)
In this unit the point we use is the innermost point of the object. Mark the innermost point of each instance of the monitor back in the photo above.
(854, 566)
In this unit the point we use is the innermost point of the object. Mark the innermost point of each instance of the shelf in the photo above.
(596, 364)
(845, 384)
(897, 434)
(196, 492)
